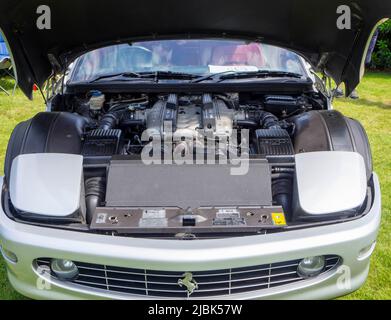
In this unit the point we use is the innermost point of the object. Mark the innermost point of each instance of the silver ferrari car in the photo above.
(189, 150)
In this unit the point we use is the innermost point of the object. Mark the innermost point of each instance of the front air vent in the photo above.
(166, 284)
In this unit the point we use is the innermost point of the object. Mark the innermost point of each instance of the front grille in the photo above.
(210, 283)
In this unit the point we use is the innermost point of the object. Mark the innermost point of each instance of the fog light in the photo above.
(311, 266)
(9, 255)
(64, 269)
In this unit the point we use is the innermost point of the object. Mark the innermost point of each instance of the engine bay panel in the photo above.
(200, 220)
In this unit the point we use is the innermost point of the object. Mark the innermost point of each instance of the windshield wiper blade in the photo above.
(116, 75)
(211, 76)
(155, 75)
(169, 75)
(260, 74)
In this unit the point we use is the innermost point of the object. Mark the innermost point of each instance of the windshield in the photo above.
(198, 57)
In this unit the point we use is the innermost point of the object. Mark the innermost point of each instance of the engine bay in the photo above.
(164, 164)
(202, 198)
(118, 123)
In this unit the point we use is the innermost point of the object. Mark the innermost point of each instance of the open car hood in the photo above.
(306, 26)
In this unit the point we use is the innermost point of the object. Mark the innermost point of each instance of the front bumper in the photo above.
(346, 240)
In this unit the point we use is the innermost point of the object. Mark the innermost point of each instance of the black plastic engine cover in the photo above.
(101, 142)
(275, 144)
(131, 183)
(47, 132)
(331, 131)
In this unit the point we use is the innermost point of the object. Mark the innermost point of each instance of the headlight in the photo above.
(64, 269)
(311, 266)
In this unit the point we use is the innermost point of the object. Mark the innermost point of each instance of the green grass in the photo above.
(374, 112)
(13, 109)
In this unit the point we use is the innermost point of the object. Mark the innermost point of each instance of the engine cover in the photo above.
(189, 118)
(134, 184)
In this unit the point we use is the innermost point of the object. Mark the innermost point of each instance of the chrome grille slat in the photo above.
(109, 270)
(267, 284)
(128, 280)
(155, 283)
(201, 275)
(200, 290)
(230, 281)
(146, 282)
(268, 280)
(111, 286)
(143, 289)
(107, 284)
(286, 281)
(200, 283)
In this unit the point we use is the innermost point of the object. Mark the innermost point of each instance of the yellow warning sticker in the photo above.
(279, 219)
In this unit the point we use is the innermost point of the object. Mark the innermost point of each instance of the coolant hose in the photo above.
(95, 192)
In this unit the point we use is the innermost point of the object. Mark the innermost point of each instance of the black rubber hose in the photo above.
(109, 121)
(282, 188)
(95, 189)
(246, 124)
(268, 120)
(282, 175)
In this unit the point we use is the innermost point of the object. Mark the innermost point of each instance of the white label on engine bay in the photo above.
(153, 219)
(153, 223)
(228, 217)
(154, 214)
(228, 212)
(101, 218)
